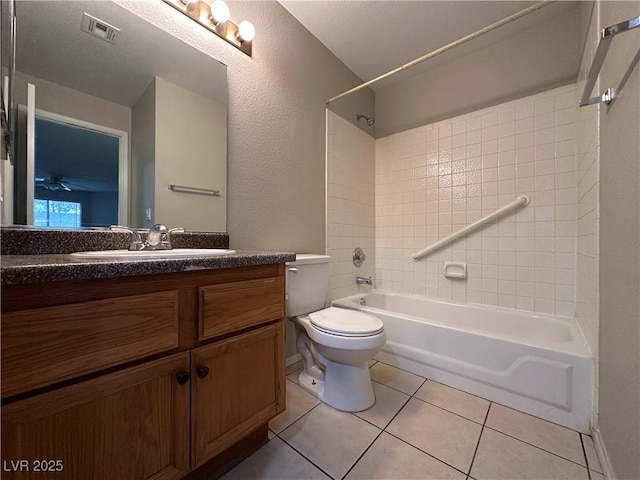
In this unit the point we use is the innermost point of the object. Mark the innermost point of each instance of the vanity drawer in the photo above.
(234, 306)
(47, 345)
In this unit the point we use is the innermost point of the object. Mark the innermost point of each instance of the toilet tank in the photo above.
(307, 282)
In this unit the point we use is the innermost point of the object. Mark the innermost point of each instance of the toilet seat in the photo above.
(346, 323)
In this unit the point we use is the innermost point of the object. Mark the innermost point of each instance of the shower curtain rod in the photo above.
(449, 46)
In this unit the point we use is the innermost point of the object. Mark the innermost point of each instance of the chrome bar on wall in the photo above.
(606, 35)
(195, 190)
(522, 200)
(449, 46)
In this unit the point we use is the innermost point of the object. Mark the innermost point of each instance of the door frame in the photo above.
(124, 169)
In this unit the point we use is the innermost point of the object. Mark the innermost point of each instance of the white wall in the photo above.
(588, 171)
(350, 205)
(190, 126)
(55, 98)
(143, 156)
(433, 180)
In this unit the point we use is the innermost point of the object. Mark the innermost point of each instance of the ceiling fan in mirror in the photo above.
(55, 183)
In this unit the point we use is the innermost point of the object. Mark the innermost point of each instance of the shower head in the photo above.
(370, 121)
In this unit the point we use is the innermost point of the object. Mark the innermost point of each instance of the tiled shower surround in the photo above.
(433, 180)
(436, 179)
(350, 205)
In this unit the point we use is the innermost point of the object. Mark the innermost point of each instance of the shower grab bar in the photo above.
(606, 35)
(196, 190)
(522, 200)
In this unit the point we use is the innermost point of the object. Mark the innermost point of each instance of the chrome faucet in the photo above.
(364, 281)
(158, 237)
(136, 240)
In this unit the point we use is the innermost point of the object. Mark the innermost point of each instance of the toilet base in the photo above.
(345, 387)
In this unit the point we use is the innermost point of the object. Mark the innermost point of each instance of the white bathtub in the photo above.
(535, 363)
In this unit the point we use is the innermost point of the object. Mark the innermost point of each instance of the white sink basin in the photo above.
(141, 254)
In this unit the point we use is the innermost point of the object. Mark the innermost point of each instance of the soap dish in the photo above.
(455, 270)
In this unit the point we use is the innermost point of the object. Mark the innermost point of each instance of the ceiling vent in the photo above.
(98, 28)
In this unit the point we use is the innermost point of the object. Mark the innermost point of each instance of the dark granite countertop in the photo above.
(24, 240)
(42, 268)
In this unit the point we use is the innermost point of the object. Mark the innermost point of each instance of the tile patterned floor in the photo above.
(418, 429)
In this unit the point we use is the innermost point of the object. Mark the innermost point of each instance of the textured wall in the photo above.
(432, 181)
(619, 394)
(276, 124)
(350, 205)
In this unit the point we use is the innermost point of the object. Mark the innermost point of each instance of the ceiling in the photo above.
(374, 37)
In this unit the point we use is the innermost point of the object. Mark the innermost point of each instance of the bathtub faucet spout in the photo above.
(364, 281)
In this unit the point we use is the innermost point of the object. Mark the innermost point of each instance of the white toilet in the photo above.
(335, 343)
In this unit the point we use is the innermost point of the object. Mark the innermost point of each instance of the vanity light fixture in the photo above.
(214, 16)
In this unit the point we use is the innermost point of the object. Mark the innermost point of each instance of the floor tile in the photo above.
(546, 435)
(299, 402)
(388, 403)
(592, 456)
(270, 434)
(331, 439)
(596, 475)
(372, 362)
(501, 457)
(446, 436)
(395, 378)
(389, 458)
(456, 401)
(275, 460)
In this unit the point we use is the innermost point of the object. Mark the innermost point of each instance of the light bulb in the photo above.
(219, 11)
(246, 31)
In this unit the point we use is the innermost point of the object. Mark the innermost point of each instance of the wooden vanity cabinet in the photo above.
(127, 410)
(129, 424)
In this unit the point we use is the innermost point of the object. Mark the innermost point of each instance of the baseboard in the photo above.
(603, 456)
(293, 359)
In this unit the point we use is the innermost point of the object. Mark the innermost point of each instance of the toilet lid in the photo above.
(346, 322)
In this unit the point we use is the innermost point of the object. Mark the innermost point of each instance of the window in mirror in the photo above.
(54, 213)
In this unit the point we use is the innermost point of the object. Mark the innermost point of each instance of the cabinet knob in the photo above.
(183, 377)
(203, 372)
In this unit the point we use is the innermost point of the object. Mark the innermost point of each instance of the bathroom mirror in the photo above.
(117, 121)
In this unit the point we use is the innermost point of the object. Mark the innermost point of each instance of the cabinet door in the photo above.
(131, 424)
(242, 389)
